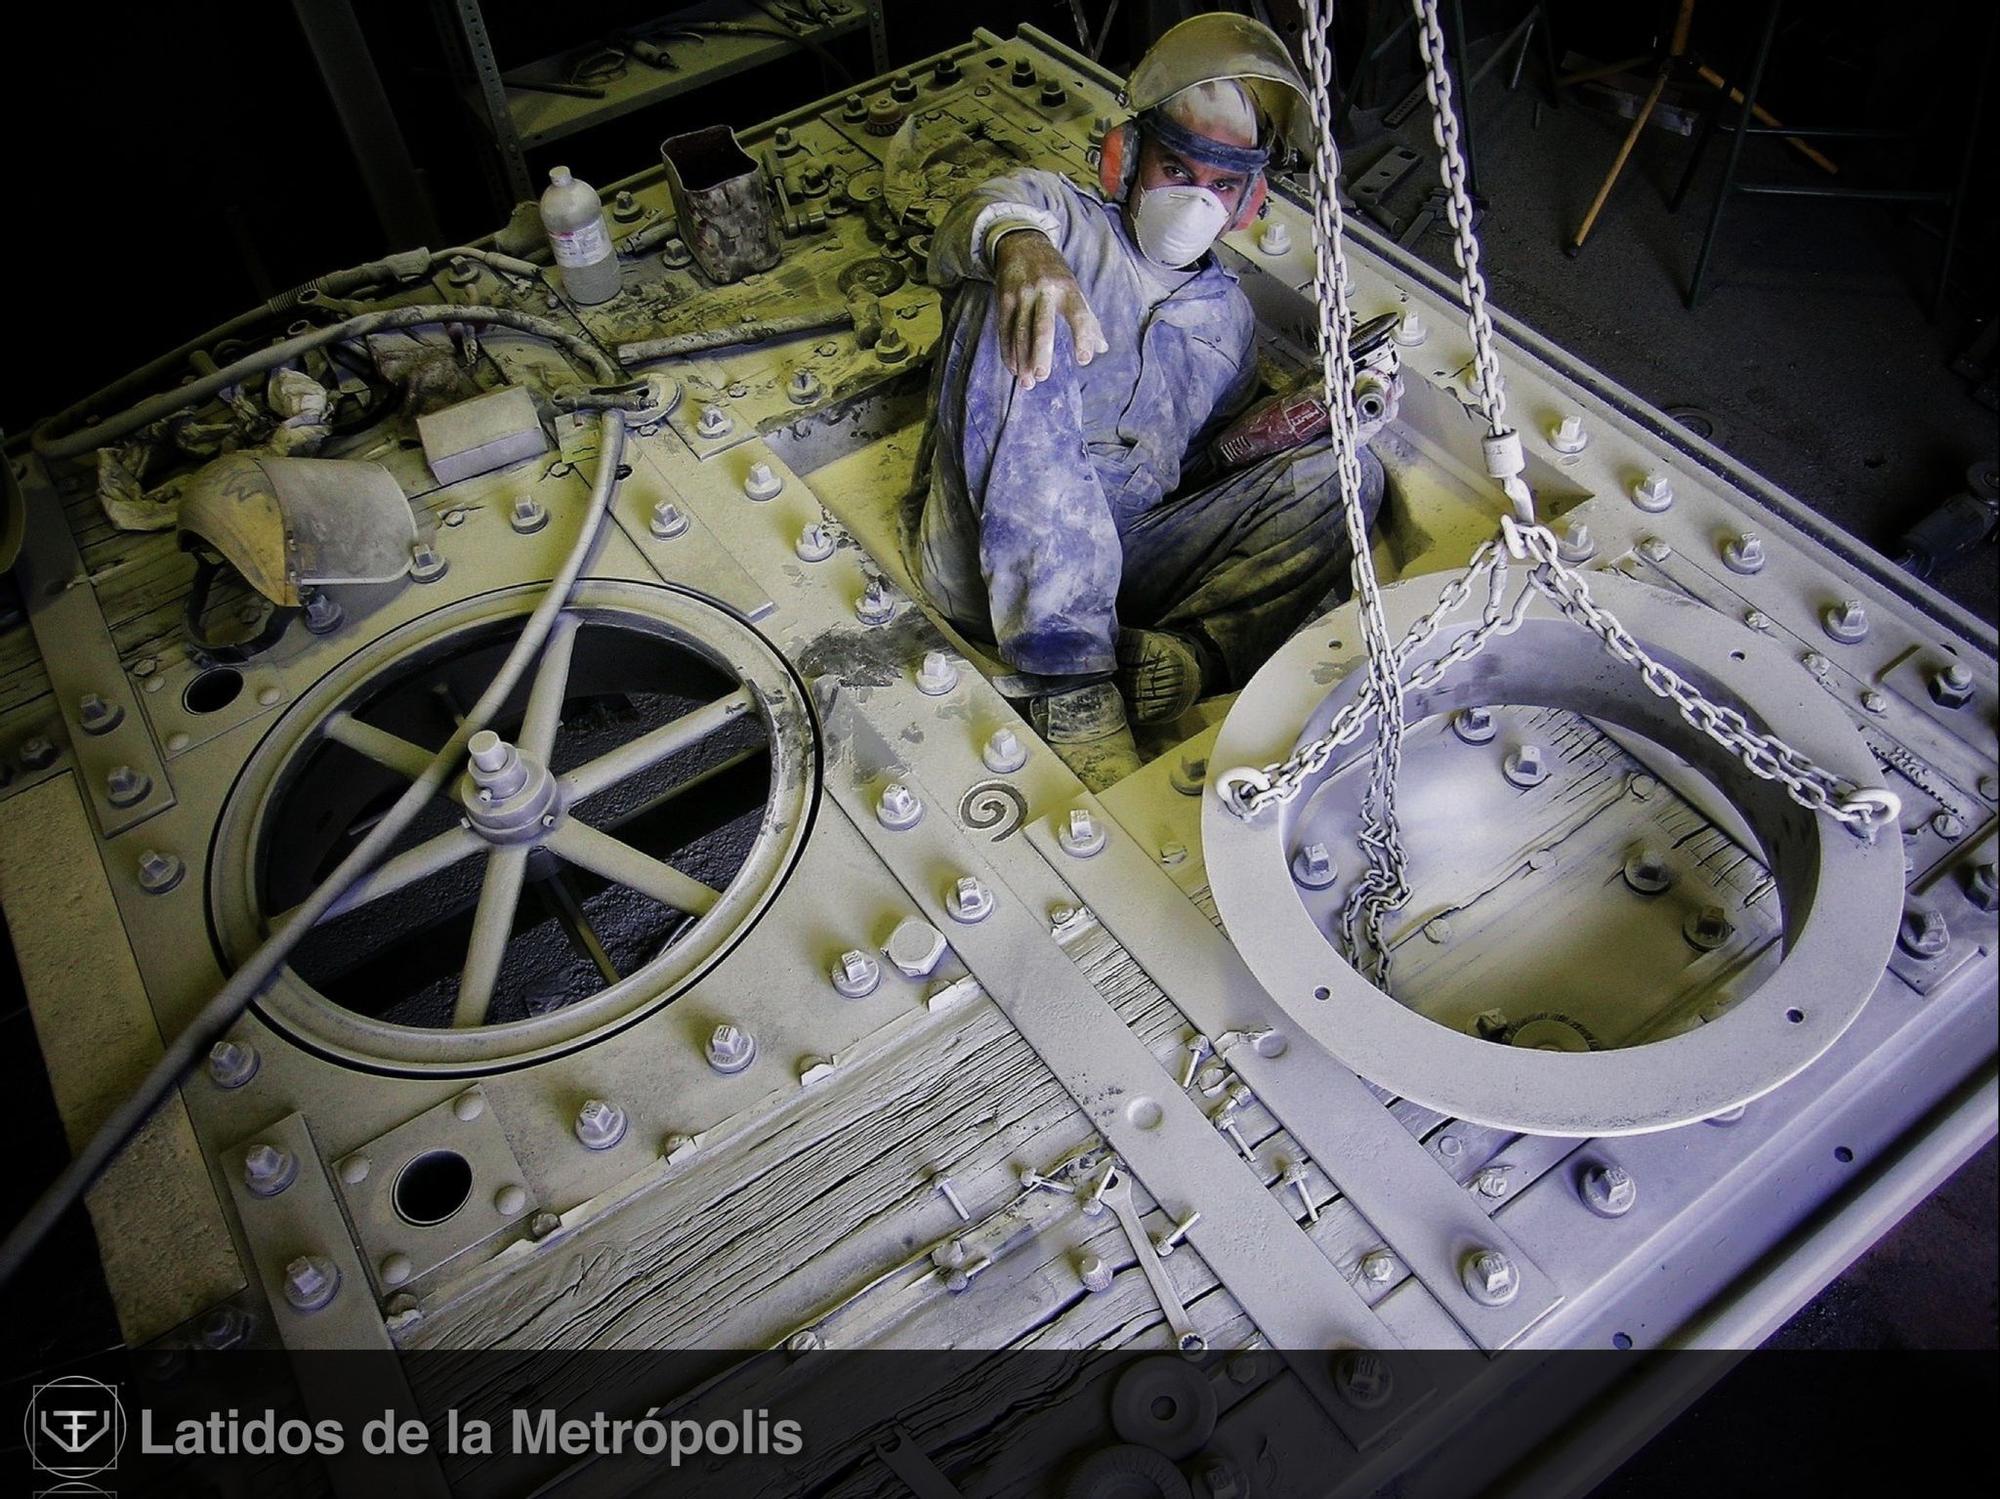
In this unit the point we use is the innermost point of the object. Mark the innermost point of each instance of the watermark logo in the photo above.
(75, 1426)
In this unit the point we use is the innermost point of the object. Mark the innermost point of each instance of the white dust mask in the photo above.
(1176, 225)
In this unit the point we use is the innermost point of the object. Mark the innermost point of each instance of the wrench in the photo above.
(1118, 1196)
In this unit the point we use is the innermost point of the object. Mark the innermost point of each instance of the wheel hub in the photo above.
(509, 797)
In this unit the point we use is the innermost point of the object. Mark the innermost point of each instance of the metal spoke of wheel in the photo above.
(545, 699)
(650, 748)
(558, 892)
(584, 846)
(379, 745)
(492, 924)
(432, 856)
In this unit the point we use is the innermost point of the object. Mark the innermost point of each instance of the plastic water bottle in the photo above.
(574, 219)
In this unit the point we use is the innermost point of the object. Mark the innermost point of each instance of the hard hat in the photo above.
(1217, 45)
(292, 523)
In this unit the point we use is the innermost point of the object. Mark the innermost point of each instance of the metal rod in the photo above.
(492, 925)
(543, 718)
(650, 748)
(729, 335)
(432, 856)
(584, 846)
(1735, 151)
(391, 751)
(558, 891)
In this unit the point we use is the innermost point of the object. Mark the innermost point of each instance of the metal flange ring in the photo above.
(1840, 895)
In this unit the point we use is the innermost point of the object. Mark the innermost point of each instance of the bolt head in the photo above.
(1410, 329)
(1948, 825)
(1079, 835)
(731, 1049)
(426, 566)
(1364, 1380)
(1576, 544)
(126, 787)
(267, 1170)
(1609, 1190)
(528, 515)
(815, 543)
(1313, 866)
(1377, 1266)
(231, 1064)
(38, 752)
(1982, 887)
(1743, 554)
(1646, 871)
(936, 675)
(668, 520)
(915, 947)
(1951, 686)
(1708, 929)
(874, 606)
(1474, 725)
(311, 1281)
(1003, 752)
(98, 714)
(158, 872)
(762, 482)
(1569, 436)
(713, 422)
(1655, 492)
(1524, 766)
(1276, 238)
(1846, 621)
(898, 807)
(599, 1124)
(968, 900)
(856, 974)
(1924, 932)
(1491, 1277)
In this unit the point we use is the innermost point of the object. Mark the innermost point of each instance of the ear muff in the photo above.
(1118, 161)
(1255, 191)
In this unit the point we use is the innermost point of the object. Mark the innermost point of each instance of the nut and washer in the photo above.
(1576, 544)
(126, 787)
(1982, 887)
(1846, 621)
(1490, 1278)
(1568, 436)
(1313, 867)
(762, 482)
(1948, 825)
(1474, 725)
(1079, 835)
(1364, 1380)
(1276, 238)
(713, 422)
(668, 520)
(815, 543)
(856, 975)
(898, 807)
(1608, 1190)
(267, 1170)
(528, 516)
(875, 605)
(1743, 554)
(1653, 493)
(426, 563)
(731, 1049)
(1646, 871)
(1410, 329)
(1707, 928)
(936, 675)
(311, 1281)
(1950, 686)
(968, 901)
(803, 388)
(158, 872)
(231, 1064)
(1524, 766)
(1003, 753)
(600, 1125)
(1924, 933)
(97, 714)
(38, 752)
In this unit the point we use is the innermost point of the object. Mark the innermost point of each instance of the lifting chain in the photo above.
(1384, 888)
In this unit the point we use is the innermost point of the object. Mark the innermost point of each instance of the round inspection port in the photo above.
(213, 690)
(432, 1187)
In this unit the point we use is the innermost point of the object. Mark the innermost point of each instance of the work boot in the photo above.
(1087, 727)
(1160, 673)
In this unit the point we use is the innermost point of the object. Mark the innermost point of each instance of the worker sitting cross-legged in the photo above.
(1094, 348)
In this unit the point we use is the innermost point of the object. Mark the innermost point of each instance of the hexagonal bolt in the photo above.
(915, 947)
(1874, 702)
(1166, 1243)
(898, 807)
(1410, 329)
(1924, 932)
(1294, 1176)
(1003, 753)
(225, 1327)
(1846, 621)
(713, 422)
(1707, 928)
(1655, 548)
(599, 1124)
(1654, 493)
(1313, 867)
(1079, 835)
(1950, 686)
(1607, 1190)
(267, 1170)
(968, 900)
(1378, 1267)
(97, 714)
(1646, 871)
(1815, 663)
(1490, 1278)
(891, 347)
(1757, 619)
(1743, 554)
(1094, 1273)
(1524, 766)
(528, 516)
(815, 543)
(762, 482)
(1948, 825)
(126, 787)
(1982, 887)
(1197, 1047)
(1492, 1181)
(38, 752)
(1364, 1380)
(1474, 725)
(731, 1049)
(1276, 238)
(1576, 544)
(323, 615)
(856, 975)
(231, 1064)
(311, 1281)
(1568, 436)
(935, 674)
(158, 872)
(668, 520)
(426, 564)
(803, 388)
(1189, 775)
(875, 605)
